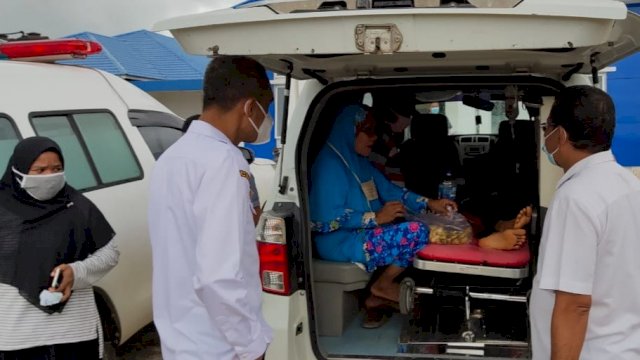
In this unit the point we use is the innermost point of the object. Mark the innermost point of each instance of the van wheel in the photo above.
(110, 331)
(407, 288)
(109, 351)
(110, 334)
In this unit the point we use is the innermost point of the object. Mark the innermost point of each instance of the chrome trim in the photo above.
(488, 296)
(482, 270)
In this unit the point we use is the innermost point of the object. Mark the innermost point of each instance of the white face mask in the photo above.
(264, 132)
(41, 187)
(550, 154)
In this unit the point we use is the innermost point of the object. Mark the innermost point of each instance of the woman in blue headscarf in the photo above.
(357, 213)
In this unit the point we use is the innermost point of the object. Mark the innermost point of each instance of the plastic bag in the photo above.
(447, 230)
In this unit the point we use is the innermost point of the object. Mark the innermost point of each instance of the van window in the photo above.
(462, 118)
(158, 129)
(77, 168)
(95, 149)
(108, 147)
(159, 138)
(8, 140)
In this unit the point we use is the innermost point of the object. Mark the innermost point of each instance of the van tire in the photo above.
(109, 351)
(109, 330)
(111, 334)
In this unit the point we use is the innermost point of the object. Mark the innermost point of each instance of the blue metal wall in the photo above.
(265, 151)
(624, 87)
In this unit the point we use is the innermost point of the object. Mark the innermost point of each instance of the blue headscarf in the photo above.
(338, 163)
(342, 140)
(339, 207)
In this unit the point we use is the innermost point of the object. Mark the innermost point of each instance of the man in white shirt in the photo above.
(585, 302)
(206, 286)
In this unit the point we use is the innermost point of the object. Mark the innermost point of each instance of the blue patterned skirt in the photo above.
(394, 244)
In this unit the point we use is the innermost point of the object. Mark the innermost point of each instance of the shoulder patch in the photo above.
(245, 174)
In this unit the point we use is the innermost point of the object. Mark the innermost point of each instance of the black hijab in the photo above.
(36, 236)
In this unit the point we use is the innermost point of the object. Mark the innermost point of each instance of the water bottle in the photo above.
(447, 188)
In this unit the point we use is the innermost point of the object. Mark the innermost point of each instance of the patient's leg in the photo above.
(385, 287)
(510, 239)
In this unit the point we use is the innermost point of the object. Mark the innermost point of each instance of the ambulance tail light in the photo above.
(275, 270)
(49, 50)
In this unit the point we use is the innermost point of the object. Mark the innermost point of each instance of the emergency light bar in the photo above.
(49, 50)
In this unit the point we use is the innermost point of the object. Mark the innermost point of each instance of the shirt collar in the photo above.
(591, 160)
(206, 129)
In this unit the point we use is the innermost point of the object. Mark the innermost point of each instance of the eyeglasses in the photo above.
(367, 126)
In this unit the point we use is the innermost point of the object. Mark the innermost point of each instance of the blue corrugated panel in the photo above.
(117, 57)
(165, 55)
(142, 54)
(623, 85)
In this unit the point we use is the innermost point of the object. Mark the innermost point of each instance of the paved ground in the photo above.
(145, 345)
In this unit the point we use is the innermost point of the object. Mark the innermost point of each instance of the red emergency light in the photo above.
(49, 50)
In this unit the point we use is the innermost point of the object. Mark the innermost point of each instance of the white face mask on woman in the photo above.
(41, 187)
(264, 132)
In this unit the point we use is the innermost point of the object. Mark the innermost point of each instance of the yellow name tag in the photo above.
(369, 190)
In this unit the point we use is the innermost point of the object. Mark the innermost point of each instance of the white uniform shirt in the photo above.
(591, 246)
(206, 287)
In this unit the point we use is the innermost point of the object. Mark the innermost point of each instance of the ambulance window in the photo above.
(159, 138)
(8, 140)
(76, 164)
(107, 146)
(96, 151)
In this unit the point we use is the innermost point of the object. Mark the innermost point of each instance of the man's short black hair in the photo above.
(587, 114)
(230, 79)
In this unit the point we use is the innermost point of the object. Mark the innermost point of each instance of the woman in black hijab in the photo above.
(48, 227)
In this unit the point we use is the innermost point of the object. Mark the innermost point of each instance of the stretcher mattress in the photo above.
(472, 254)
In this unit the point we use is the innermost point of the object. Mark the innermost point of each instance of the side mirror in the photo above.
(248, 154)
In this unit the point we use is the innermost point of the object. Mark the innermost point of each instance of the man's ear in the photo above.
(564, 137)
(248, 106)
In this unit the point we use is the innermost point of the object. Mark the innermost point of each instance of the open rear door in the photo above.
(554, 37)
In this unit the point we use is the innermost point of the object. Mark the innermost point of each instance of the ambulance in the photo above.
(464, 57)
(110, 133)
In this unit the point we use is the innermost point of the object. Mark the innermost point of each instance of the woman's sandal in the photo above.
(377, 316)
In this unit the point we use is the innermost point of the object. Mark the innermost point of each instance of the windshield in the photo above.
(462, 118)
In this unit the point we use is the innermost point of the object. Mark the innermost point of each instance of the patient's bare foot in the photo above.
(511, 239)
(503, 225)
(523, 218)
(388, 292)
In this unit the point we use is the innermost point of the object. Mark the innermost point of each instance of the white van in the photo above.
(461, 54)
(110, 133)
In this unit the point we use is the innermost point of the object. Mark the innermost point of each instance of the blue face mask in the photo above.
(435, 110)
(552, 160)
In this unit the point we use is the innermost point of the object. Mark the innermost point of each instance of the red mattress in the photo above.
(472, 254)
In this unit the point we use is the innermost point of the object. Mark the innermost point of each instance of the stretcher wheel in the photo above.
(407, 289)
